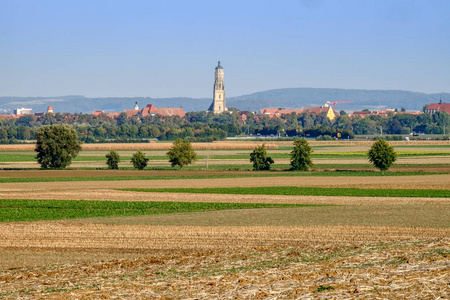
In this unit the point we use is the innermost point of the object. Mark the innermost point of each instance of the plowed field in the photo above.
(355, 247)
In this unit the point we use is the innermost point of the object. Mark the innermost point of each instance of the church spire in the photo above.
(219, 103)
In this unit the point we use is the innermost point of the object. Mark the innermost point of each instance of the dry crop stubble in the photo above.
(220, 145)
(76, 237)
(353, 271)
(435, 215)
(114, 195)
(164, 261)
(226, 145)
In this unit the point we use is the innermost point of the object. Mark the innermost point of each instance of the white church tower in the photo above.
(219, 104)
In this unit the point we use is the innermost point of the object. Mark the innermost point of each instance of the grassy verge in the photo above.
(30, 157)
(305, 191)
(34, 210)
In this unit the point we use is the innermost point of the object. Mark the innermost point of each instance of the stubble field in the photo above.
(341, 247)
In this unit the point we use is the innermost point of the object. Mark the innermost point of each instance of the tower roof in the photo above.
(219, 66)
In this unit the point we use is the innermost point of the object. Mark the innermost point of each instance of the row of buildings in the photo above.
(151, 110)
(20, 112)
(218, 105)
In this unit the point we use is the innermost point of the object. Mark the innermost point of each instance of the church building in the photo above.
(219, 104)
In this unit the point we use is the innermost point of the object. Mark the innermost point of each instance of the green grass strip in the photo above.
(178, 175)
(305, 191)
(19, 157)
(13, 157)
(12, 210)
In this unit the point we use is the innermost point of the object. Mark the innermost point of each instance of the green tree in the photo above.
(56, 145)
(139, 160)
(112, 160)
(301, 155)
(181, 153)
(382, 155)
(260, 159)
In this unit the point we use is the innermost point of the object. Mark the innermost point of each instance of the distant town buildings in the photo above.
(277, 112)
(382, 113)
(151, 110)
(23, 111)
(219, 104)
(435, 107)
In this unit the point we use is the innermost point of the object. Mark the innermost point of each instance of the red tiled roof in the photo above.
(6, 116)
(163, 111)
(169, 111)
(278, 112)
(114, 114)
(316, 109)
(131, 112)
(148, 110)
(152, 110)
(439, 107)
(410, 113)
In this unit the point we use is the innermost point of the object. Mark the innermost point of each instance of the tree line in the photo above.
(57, 145)
(206, 126)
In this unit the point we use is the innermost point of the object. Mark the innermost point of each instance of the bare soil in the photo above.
(441, 181)
(367, 248)
(315, 265)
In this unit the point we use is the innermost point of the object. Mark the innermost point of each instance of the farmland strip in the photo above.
(12, 210)
(303, 191)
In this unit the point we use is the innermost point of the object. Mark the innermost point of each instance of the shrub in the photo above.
(112, 160)
(324, 138)
(181, 153)
(301, 155)
(260, 159)
(139, 160)
(382, 155)
(56, 145)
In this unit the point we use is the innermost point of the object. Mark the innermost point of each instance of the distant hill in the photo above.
(77, 104)
(287, 98)
(371, 99)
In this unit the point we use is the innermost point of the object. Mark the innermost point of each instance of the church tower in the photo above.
(219, 104)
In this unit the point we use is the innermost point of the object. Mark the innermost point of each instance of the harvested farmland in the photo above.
(13, 210)
(178, 245)
(290, 190)
(153, 146)
(404, 270)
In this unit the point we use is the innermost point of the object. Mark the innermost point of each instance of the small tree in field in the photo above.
(382, 155)
(301, 155)
(181, 153)
(260, 159)
(139, 160)
(112, 160)
(56, 145)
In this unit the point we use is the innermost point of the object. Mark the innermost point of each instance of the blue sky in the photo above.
(106, 48)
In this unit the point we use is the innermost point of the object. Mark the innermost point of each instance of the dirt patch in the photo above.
(217, 262)
(441, 181)
(108, 173)
(406, 270)
(435, 215)
(73, 236)
(114, 195)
